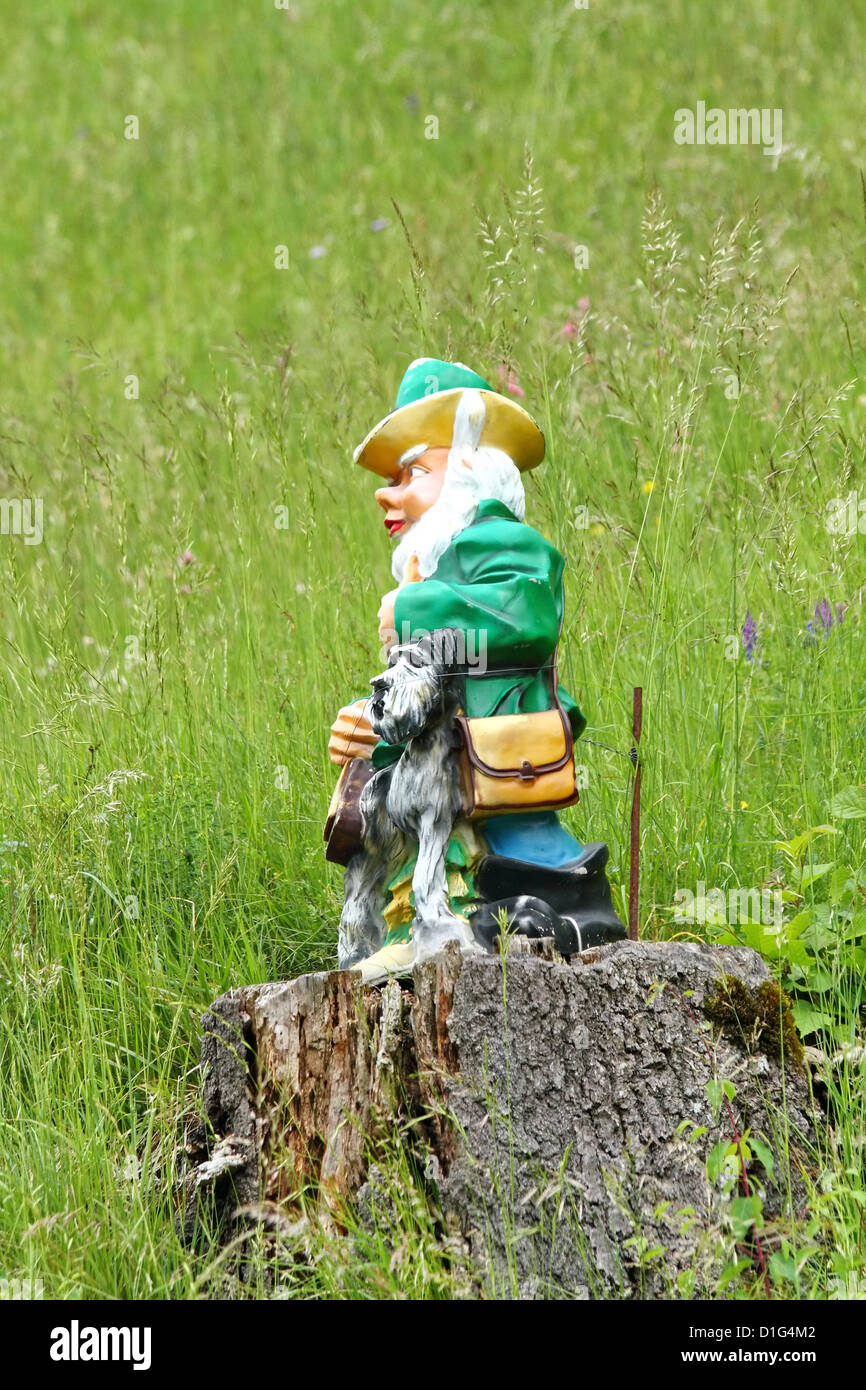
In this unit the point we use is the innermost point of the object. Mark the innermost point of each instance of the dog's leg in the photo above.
(362, 923)
(423, 800)
(362, 926)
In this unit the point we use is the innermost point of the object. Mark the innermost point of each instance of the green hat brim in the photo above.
(430, 421)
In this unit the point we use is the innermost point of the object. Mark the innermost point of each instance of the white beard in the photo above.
(491, 475)
(430, 536)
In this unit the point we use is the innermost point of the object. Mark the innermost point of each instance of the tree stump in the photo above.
(561, 1108)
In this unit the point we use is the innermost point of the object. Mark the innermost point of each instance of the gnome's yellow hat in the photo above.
(424, 414)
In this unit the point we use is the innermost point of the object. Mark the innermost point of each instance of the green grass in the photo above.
(163, 724)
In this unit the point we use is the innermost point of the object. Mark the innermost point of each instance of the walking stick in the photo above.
(634, 864)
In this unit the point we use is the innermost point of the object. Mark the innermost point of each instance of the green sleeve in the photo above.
(502, 582)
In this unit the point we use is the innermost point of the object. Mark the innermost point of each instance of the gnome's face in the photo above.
(436, 492)
(415, 490)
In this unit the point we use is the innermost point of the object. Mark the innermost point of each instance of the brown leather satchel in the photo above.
(343, 826)
(518, 762)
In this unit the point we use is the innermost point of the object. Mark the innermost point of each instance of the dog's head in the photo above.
(422, 686)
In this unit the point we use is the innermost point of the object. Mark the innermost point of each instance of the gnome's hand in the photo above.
(387, 631)
(352, 734)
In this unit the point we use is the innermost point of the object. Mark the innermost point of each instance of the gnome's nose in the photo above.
(388, 496)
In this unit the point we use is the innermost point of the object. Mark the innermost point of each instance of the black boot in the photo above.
(525, 916)
(531, 917)
(578, 895)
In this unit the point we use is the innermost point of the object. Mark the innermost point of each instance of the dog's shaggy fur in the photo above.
(416, 799)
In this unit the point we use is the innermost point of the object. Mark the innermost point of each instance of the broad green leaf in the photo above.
(717, 1158)
(842, 886)
(820, 980)
(764, 1155)
(743, 1214)
(654, 1253)
(783, 1267)
(798, 924)
(796, 848)
(809, 1019)
(812, 872)
(772, 942)
(731, 1272)
(849, 804)
(763, 939)
(796, 953)
(789, 1265)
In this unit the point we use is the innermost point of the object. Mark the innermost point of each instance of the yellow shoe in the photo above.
(397, 959)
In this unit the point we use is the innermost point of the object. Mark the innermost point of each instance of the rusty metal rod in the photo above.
(634, 863)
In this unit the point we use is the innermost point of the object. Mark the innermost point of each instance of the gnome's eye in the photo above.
(418, 470)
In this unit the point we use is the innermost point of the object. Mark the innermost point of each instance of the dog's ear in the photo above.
(444, 648)
(448, 650)
(398, 651)
(415, 652)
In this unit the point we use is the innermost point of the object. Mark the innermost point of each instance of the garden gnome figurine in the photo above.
(451, 457)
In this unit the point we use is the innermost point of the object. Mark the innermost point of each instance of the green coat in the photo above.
(501, 579)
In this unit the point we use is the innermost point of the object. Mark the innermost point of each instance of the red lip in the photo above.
(392, 527)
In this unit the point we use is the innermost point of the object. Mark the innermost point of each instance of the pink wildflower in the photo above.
(509, 377)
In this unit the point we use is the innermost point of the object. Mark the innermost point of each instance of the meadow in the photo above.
(226, 232)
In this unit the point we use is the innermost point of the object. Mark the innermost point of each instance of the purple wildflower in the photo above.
(379, 224)
(750, 636)
(825, 619)
(824, 614)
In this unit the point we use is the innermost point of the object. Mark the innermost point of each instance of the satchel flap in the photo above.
(515, 743)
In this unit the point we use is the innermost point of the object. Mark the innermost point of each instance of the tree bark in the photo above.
(553, 1098)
